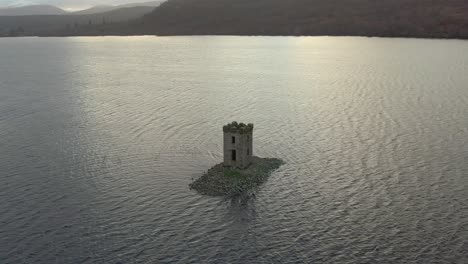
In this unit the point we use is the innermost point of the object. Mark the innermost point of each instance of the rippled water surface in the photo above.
(100, 137)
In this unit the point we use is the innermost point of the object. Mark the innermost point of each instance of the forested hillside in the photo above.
(387, 18)
(416, 18)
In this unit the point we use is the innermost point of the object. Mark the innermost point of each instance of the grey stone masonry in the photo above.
(238, 147)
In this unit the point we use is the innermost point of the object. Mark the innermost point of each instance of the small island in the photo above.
(225, 181)
(240, 172)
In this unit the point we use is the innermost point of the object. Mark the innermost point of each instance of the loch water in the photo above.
(101, 136)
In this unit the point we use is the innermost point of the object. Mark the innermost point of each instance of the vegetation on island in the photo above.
(224, 181)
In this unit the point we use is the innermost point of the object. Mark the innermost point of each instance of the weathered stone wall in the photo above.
(243, 146)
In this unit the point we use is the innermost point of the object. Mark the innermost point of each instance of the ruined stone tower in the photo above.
(238, 149)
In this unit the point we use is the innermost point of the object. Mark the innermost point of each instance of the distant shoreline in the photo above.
(228, 35)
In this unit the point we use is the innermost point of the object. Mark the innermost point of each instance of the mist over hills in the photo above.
(49, 25)
(32, 10)
(107, 8)
(95, 10)
(57, 20)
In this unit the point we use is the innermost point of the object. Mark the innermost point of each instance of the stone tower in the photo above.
(238, 149)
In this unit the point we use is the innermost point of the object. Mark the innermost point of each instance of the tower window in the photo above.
(233, 155)
(248, 152)
(233, 140)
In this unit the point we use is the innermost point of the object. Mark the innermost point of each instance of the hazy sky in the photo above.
(68, 4)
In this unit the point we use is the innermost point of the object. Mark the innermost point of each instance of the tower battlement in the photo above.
(239, 128)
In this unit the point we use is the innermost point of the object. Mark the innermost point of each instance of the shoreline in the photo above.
(225, 181)
(230, 35)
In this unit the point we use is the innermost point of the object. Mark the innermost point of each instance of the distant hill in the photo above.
(107, 8)
(32, 10)
(385, 18)
(52, 24)
(403, 18)
(97, 18)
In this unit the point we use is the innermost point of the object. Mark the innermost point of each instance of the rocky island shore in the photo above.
(225, 181)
